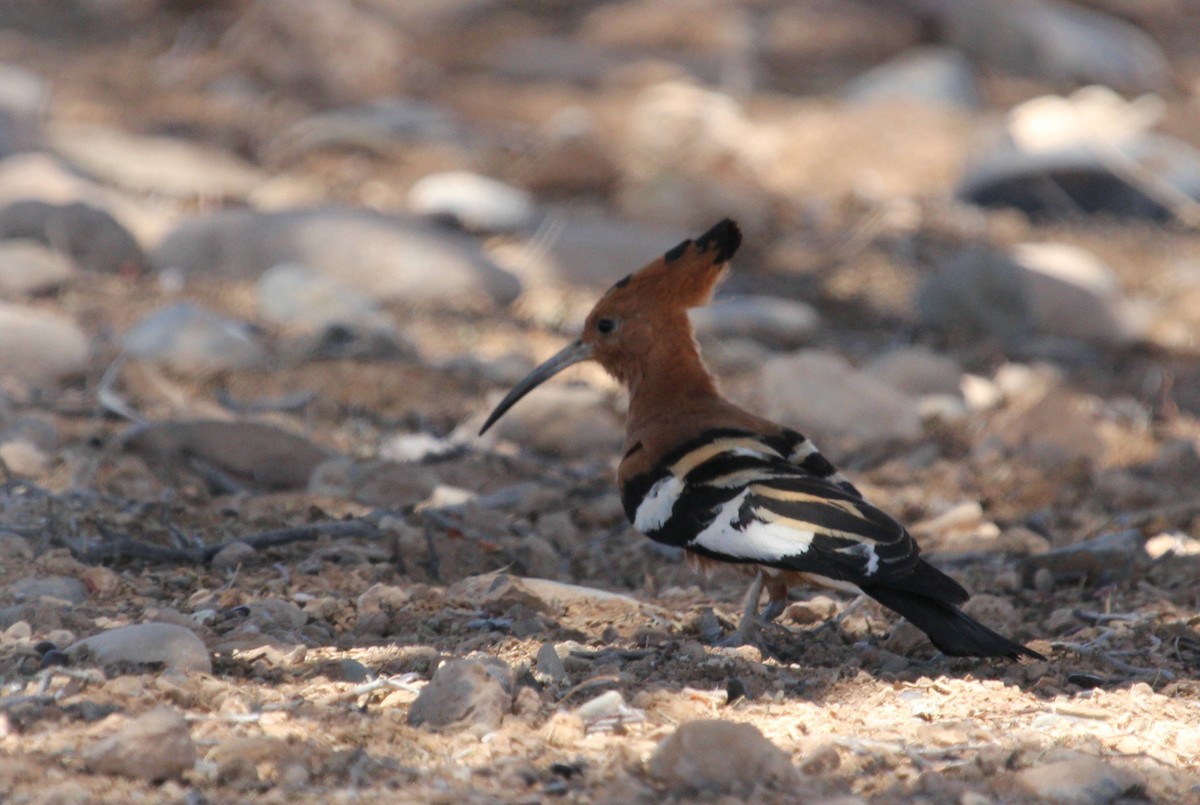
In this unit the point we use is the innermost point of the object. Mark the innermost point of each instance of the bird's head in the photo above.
(643, 314)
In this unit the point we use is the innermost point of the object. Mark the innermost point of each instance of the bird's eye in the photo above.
(605, 326)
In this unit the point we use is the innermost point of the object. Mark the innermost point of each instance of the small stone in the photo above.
(1060, 620)
(173, 647)
(252, 760)
(155, 746)
(299, 297)
(24, 458)
(57, 588)
(89, 235)
(1043, 581)
(608, 711)
(473, 691)
(157, 165)
(190, 338)
(378, 607)
(476, 203)
(817, 609)
(1100, 560)
(917, 371)
(549, 664)
(1084, 780)
(233, 555)
(29, 268)
(838, 401)
(720, 756)
(38, 347)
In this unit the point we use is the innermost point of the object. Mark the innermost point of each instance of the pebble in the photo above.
(720, 756)
(378, 607)
(24, 458)
(164, 166)
(57, 588)
(246, 453)
(932, 75)
(1083, 780)
(39, 347)
(233, 555)
(917, 371)
(550, 665)
(1072, 293)
(252, 761)
(298, 297)
(387, 257)
(476, 203)
(817, 609)
(191, 338)
(174, 647)
(1100, 560)
(478, 692)
(24, 100)
(89, 235)
(1053, 41)
(778, 323)
(14, 548)
(607, 712)
(819, 391)
(154, 746)
(566, 421)
(28, 268)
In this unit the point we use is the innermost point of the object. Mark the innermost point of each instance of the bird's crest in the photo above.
(682, 278)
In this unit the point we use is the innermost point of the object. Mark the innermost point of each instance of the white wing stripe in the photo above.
(655, 509)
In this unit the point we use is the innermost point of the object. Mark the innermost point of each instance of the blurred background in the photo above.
(267, 263)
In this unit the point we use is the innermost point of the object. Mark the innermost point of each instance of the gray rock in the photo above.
(819, 392)
(720, 756)
(14, 548)
(1053, 41)
(917, 371)
(154, 746)
(1072, 293)
(777, 323)
(297, 296)
(160, 165)
(479, 693)
(38, 347)
(232, 555)
(1101, 560)
(550, 665)
(561, 420)
(173, 647)
(230, 455)
(476, 203)
(378, 607)
(92, 237)
(1063, 183)
(937, 75)
(276, 618)
(24, 100)
(190, 338)
(390, 258)
(1044, 289)
(58, 588)
(29, 268)
(1083, 780)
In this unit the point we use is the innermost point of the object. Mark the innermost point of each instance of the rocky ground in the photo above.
(266, 265)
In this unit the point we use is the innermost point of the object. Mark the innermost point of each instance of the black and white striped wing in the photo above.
(738, 497)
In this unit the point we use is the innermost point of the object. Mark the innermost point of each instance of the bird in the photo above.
(730, 487)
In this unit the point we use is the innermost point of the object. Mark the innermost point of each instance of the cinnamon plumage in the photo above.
(700, 473)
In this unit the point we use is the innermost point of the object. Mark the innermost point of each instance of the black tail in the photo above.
(948, 628)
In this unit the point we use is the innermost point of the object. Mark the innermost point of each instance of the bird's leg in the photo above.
(777, 589)
(750, 622)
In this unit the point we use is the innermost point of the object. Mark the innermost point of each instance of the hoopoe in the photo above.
(725, 485)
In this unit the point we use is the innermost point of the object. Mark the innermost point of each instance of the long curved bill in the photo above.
(568, 356)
